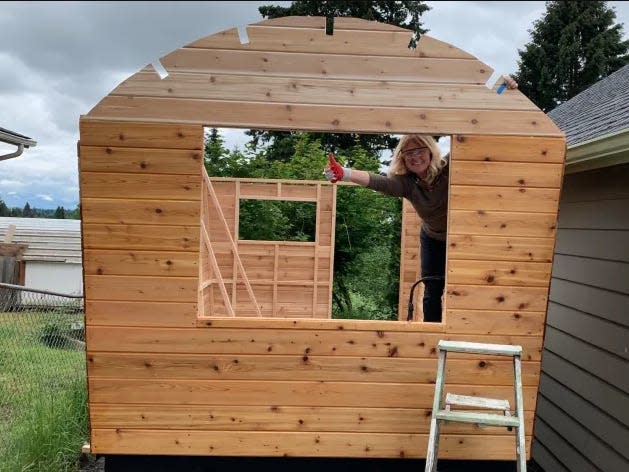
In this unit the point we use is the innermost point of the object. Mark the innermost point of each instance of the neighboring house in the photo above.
(582, 421)
(47, 252)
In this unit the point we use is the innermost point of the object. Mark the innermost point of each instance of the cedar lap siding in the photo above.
(171, 372)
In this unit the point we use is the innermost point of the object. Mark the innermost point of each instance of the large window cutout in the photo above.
(269, 250)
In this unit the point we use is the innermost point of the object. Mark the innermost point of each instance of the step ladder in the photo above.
(501, 413)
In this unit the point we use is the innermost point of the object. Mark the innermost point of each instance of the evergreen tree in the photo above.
(60, 213)
(574, 45)
(27, 211)
(76, 213)
(4, 209)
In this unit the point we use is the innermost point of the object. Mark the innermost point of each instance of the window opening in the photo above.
(376, 261)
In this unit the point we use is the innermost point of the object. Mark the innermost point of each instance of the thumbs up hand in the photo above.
(334, 171)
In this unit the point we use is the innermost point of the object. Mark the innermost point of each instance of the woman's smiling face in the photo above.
(417, 159)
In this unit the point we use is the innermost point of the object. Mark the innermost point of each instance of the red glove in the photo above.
(333, 172)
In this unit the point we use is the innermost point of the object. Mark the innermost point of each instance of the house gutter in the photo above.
(17, 140)
(604, 151)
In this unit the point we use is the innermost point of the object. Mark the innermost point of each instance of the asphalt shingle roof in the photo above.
(601, 109)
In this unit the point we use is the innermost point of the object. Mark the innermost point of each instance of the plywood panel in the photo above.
(507, 174)
(146, 186)
(295, 393)
(324, 91)
(376, 343)
(534, 200)
(479, 272)
(370, 119)
(322, 368)
(140, 160)
(500, 223)
(144, 237)
(222, 443)
(161, 264)
(279, 418)
(499, 248)
(127, 288)
(141, 135)
(509, 149)
(150, 212)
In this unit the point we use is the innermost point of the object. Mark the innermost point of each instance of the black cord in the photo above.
(409, 316)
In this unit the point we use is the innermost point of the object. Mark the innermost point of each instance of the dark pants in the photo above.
(433, 260)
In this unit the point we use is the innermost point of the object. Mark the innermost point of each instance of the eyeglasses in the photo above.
(415, 152)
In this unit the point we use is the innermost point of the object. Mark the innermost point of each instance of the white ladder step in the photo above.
(478, 418)
(479, 402)
(480, 348)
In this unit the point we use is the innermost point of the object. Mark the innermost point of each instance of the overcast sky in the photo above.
(58, 59)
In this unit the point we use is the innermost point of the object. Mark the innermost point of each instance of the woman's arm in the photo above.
(335, 172)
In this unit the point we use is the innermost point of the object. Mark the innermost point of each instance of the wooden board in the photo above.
(318, 91)
(321, 368)
(298, 341)
(143, 237)
(140, 160)
(509, 149)
(334, 66)
(140, 135)
(290, 393)
(276, 418)
(300, 444)
(343, 41)
(332, 118)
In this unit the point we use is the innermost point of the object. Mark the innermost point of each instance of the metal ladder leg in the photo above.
(435, 425)
(519, 408)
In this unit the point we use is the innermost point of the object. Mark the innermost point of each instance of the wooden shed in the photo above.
(182, 361)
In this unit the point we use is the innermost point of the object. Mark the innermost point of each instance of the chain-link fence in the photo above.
(42, 374)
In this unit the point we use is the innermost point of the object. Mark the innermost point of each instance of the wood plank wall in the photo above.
(254, 387)
(161, 381)
(140, 204)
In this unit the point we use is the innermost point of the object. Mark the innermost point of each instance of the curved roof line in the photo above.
(289, 74)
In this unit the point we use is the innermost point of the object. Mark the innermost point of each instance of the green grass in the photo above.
(43, 407)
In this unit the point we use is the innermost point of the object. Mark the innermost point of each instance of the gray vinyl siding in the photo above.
(582, 418)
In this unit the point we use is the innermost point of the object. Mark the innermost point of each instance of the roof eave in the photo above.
(604, 151)
(16, 139)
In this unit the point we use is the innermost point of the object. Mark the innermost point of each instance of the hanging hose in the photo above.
(428, 278)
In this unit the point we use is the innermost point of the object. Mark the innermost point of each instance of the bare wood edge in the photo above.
(332, 246)
(236, 235)
(217, 204)
(221, 282)
(316, 258)
(320, 324)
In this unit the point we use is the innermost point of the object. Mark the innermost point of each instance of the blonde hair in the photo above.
(398, 166)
